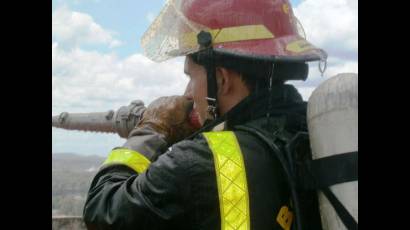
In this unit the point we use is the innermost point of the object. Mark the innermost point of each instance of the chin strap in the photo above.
(206, 56)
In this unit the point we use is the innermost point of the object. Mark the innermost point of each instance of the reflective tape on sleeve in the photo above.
(132, 159)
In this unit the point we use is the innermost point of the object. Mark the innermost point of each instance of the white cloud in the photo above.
(71, 28)
(331, 24)
(85, 81)
(334, 67)
(86, 143)
(342, 67)
(150, 16)
(306, 92)
(115, 43)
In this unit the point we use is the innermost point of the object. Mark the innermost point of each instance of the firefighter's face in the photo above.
(197, 87)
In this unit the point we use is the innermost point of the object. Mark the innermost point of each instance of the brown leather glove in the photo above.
(169, 116)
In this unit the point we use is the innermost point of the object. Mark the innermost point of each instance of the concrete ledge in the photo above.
(68, 223)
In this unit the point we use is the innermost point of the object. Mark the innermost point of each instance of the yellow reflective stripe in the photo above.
(285, 217)
(230, 34)
(132, 159)
(231, 180)
(299, 46)
(241, 33)
(285, 8)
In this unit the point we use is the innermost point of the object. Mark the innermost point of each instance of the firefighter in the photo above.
(170, 175)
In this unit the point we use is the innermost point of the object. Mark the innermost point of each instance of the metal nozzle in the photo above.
(121, 121)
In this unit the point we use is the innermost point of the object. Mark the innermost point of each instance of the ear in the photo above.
(224, 81)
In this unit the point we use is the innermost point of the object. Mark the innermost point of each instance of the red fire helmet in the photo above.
(264, 29)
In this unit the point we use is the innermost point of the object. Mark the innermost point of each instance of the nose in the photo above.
(188, 92)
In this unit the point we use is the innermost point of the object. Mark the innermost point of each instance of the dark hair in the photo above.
(255, 72)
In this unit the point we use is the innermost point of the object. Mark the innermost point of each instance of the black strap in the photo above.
(341, 211)
(204, 39)
(328, 171)
(212, 85)
(336, 169)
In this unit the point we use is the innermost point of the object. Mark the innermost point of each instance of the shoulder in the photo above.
(197, 144)
(189, 153)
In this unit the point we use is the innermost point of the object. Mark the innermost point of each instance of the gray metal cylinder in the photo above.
(121, 121)
(98, 122)
(333, 129)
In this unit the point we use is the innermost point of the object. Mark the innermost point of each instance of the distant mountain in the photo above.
(71, 178)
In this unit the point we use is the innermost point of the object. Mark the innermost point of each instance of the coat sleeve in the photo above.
(122, 198)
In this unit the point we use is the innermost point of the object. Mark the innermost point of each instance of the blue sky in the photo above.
(128, 18)
(97, 61)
